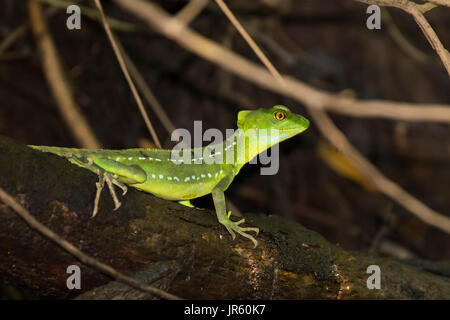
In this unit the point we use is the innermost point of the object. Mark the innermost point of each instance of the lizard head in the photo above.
(279, 118)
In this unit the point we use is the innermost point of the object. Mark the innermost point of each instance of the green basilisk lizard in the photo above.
(182, 178)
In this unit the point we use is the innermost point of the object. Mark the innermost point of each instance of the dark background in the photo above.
(329, 47)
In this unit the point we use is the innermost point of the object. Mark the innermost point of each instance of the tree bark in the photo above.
(290, 262)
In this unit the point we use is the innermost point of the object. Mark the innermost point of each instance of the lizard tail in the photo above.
(62, 152)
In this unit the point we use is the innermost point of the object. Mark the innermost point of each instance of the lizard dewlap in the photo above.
(158, 172)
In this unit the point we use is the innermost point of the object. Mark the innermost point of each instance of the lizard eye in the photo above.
(280, 115)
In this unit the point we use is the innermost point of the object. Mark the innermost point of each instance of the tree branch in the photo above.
(287, 86)
(296, 89)
(417, 11)
(291, 262)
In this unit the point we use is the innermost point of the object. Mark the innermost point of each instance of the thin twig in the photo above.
(250, 42)
(20, 31)
(126, 74)
(176, 31)
(58, 83)
(417, 11)
(431, 36)
(148, 94)
(338, 139)
(402, 41)
(74, 251)
(13, 36)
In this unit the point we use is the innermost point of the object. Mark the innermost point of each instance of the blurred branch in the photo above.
(148, 94)
(124, 68)
(161, 21)
(296, 89)
(250, 42)
(13, 36)
(71, 249)
(20, 31)
(393, 249)
(417, 10)
(191, 11)
(385, 185)
(94, 15)
(402, 41)
(338, 139)
(53, 70)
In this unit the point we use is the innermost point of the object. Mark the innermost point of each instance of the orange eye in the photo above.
(280, 115)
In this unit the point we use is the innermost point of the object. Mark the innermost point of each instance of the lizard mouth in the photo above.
(299, 128)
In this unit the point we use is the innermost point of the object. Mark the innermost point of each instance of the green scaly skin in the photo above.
(155, 170)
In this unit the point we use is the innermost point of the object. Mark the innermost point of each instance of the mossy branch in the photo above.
(290, 262)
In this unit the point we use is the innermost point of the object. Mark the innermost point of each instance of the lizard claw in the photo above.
(233, 226)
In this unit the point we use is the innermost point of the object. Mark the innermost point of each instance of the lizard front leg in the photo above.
(224, 218)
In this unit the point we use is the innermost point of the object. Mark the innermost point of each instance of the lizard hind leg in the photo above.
(103, 176)
(109, 181)
(111, 171)
(99, 185)
(121, 185)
